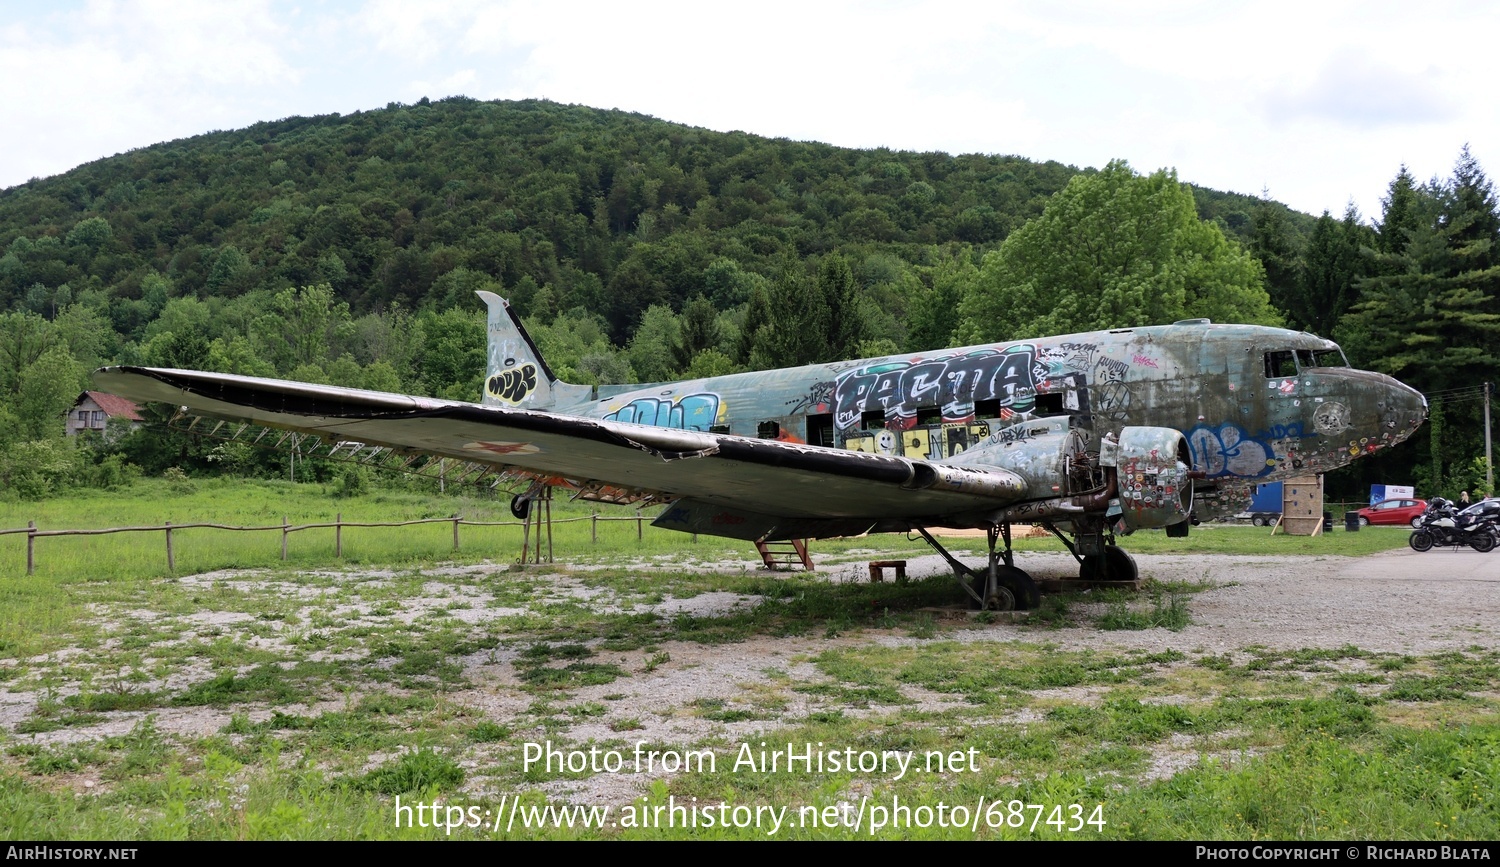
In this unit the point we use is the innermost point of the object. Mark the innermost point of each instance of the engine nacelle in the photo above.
(1152, 465)
(1036, 450)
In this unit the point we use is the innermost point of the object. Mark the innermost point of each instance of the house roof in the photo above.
(113, 405)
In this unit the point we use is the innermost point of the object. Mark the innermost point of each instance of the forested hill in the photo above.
(419, 204)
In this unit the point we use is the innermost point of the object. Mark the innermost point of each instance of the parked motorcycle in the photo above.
(1444, 526)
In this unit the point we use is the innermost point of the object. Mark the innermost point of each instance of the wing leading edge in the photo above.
(725, 485)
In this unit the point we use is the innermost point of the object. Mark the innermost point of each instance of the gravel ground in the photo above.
(1396, 602)
(1399, 601)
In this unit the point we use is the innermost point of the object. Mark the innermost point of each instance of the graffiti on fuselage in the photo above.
(817, 400)
(954, 383)
(1068, 356)
(929, 442)
(1228, 450)
(697, 411)
(512, 385)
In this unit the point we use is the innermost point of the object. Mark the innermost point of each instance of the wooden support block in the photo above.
(878, 567)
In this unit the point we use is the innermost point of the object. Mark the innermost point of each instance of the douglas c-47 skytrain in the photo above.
(1089, 435)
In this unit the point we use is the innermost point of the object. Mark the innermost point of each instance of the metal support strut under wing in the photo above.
(1001, 587)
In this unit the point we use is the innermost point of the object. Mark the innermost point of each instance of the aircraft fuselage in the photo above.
(1255, 403)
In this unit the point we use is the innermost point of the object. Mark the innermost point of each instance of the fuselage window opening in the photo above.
(1049, 404)
(820, 429)
(1308, 358)
(768, 430)
(1280, 364)
(872, 419)
(929, 415)
(987, 408)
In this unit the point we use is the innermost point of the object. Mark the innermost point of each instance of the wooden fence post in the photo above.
(171, 561)
(338, 534)
(456, 519)
(30, 547)
(283, 536)
(594, 528)
(638, 526)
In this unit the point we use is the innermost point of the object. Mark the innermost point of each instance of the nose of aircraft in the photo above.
(1403, 409)
(1358, 412)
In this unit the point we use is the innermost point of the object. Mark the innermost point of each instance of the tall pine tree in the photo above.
(1431, 315)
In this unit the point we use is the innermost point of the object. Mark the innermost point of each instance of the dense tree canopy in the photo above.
(1114, 249)
(346, 250)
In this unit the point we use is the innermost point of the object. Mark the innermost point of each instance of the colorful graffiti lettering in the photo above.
(1294, 430)
(817, 399)
(689, 412)
(513, 385)
(1070, 356)
(899, 388)
(1228, 450)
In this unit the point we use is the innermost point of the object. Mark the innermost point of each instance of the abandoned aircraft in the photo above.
(1088, 435)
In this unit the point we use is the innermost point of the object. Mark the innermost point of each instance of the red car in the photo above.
(1402, 511)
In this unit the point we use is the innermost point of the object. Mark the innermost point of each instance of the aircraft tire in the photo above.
(1002, 600)
(1016, 591)
(1483, 542)
(1117, 565)
(520, 507)
(1421, 540)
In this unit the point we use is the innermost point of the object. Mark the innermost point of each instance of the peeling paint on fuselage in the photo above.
(1208, 381)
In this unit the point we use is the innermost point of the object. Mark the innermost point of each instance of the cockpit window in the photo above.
(1280, 363)
(1283, 363)
(1321, 358)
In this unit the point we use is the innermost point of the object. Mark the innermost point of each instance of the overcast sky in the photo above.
(1318, 101)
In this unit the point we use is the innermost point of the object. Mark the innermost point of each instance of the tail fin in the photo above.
(515, 374)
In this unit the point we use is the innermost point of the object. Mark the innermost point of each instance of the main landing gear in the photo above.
(1001, 586)
(1099, 558)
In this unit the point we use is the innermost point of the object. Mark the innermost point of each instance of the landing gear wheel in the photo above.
(1001, 600)
(1483, 542)
(1014, 591)
(1420, 541)
(1115, 565)
(1119, 565)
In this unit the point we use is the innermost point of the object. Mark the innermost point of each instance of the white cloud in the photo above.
(113, 76)
(1317, 101)
(1358, 91)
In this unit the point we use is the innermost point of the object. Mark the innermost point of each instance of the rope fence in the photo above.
(286, 528)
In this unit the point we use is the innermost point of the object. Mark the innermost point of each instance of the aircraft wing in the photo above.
(723, 485)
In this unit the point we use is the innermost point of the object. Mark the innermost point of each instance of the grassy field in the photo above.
(244, 697)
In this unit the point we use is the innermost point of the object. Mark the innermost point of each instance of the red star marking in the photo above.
(505, 448)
